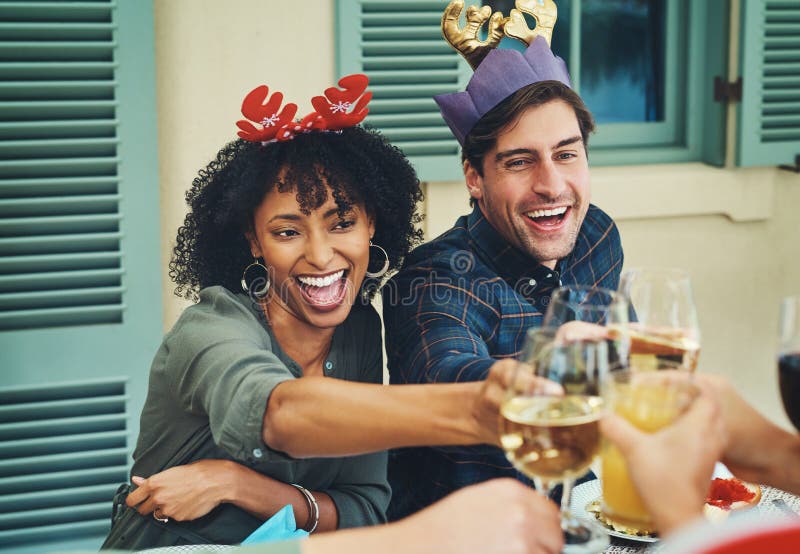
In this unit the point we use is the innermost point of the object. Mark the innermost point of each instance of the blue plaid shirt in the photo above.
(461, 302)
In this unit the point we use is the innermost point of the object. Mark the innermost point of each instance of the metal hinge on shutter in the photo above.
(725, 91)
(793, 168)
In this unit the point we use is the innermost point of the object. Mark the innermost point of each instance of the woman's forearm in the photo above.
(263, 497)
(318, 416)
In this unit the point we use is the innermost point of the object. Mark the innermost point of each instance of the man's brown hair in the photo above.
(483, 137)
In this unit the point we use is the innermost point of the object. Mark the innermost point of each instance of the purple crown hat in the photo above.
(500, 74)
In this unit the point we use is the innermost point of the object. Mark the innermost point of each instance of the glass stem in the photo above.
(566, 491)
(543, 486)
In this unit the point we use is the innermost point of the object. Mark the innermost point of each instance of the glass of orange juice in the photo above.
(650, 400)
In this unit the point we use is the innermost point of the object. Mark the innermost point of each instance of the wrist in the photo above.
(470, 425)
(229, 486)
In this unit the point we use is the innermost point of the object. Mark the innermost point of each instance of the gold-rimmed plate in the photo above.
(584, 495)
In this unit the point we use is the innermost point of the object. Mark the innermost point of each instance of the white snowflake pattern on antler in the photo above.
(270, 121)
(340, 107)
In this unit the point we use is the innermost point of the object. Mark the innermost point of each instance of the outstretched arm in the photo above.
(318, 416)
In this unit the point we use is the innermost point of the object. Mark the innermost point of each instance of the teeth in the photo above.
(545, 213)
(326, 281)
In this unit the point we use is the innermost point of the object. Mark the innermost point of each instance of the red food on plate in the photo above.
(725, 495)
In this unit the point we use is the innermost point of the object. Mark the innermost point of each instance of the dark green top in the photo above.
(217, 367)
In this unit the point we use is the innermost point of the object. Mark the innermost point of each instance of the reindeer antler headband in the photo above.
(267, 122)
(498, 73)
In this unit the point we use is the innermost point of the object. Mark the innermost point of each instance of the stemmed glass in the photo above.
(663, 316)
(549, 421)
(789, 358)
(578, 312)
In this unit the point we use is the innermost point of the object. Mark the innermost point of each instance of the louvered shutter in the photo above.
(770, 108)
(80, 287)
(60, 258)
(62, 455)
(399, 45)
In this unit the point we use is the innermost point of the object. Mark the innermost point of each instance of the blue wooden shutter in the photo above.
(399, 45)
(769, 118)
(80, 288)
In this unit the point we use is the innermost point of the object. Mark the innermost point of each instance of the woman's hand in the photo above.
(503, 375)
(183, 492)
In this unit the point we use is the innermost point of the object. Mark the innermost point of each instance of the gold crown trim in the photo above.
(465, 40)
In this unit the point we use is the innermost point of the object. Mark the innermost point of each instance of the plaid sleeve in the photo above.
(436, 330)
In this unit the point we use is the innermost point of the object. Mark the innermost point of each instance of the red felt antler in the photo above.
(257, 109)
(333, 112)
(334, 107)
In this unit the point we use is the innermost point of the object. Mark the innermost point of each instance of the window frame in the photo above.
(694, 131)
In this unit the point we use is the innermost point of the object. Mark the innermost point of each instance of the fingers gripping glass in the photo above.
(589, 313)
(549, 421)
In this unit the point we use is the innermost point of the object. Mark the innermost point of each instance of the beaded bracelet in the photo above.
(313, 507)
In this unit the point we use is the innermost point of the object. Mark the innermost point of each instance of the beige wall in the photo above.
(736, 231)
(209, 54)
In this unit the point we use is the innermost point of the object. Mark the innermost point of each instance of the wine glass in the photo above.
(789, 358)
(583, 312)
(549, 424)
(663, 316)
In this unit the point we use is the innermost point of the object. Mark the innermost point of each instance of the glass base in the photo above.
(582, 537)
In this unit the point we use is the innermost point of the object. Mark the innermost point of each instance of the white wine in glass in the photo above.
(549, 423)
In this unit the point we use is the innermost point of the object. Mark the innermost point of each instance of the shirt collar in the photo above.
(518, 269)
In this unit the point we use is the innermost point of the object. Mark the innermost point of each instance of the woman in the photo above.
(297, 215)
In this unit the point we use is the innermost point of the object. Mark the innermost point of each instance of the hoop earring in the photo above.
(382, 271)
(258, 293)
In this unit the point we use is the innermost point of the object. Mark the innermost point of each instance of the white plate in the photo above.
(588, 492)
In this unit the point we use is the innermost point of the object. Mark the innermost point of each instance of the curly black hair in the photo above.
(358, 165)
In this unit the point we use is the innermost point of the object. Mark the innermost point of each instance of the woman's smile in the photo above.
(317, 258)
(324, 292)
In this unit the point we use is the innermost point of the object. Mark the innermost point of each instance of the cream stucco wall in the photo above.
(209, 54)
(736, 231)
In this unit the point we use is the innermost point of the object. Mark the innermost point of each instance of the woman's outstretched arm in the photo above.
(318, 416)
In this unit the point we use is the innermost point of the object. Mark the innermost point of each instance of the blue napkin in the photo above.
(279, 527)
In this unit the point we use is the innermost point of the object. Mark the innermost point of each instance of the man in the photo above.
(465, 300)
